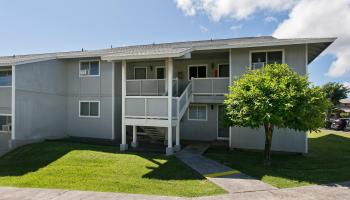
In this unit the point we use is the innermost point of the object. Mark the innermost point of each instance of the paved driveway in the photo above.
(330, 192)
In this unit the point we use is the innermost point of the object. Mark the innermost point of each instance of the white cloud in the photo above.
(322, 18)
(236, 9)
(186, 6)
(307, 18)
(236, 27)
(270, 19)
(346, 84)
(203, 29)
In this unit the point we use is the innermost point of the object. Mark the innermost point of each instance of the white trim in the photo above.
(170, 65)
(123, 134)
(156, 72)
(5, 114)
(230, 84)
(206, 112)
(277, 42)
(90, 101)
(265, 50)
(140, 68)
(220, 64)
(113, 99)
(8, 86)
(199, 65)
(99, 68)
(111, 57)
(217, 127)
(13, 103)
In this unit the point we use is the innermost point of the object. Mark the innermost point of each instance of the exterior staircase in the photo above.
(155, 133)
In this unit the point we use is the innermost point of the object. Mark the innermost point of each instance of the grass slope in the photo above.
(100, 168)
(328, 161)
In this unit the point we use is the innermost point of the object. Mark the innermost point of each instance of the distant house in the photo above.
(344, 105)
(171, 91)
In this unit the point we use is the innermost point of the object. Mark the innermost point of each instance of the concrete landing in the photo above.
(229, 179)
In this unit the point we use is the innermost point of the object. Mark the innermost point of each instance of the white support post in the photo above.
(169, 66)
(177, 144)
(123, 145)
(134, 137)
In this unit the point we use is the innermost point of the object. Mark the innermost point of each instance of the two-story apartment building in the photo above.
(173, 91)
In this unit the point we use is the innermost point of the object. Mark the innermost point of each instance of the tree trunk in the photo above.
(268, 141)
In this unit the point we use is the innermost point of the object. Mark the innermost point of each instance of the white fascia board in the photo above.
(145, 56)
(278, 42)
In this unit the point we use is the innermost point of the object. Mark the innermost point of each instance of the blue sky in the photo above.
(39, 26)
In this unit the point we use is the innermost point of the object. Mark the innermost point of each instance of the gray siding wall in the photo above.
(40, 100)
(89, 88)
(5, 100)
(118, 100)
(200, 130)
(283, 139)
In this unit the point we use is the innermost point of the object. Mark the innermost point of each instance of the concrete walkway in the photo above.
(229, 179)
(317, 192)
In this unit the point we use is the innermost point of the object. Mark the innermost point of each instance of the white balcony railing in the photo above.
(210, 86)
(156, 107)
(149, 87)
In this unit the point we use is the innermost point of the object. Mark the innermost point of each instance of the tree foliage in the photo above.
(275, 96)
(334, 93)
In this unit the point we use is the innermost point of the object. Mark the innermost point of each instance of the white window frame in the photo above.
(199, 65)
(6, 70)
(6, 115)
(140, 68)
(156, 73)
(90, 101)
(89, 61)
(206, 112)
(265, 50)
(220, 64)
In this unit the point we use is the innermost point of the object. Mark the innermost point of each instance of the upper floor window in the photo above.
(140, 73)
(197, 71)
(5, 77)
(89, 109)
(224, 70)
(261, 58)
(89, 68)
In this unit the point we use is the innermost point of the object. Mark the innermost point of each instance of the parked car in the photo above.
(340, 124)
(347, 126)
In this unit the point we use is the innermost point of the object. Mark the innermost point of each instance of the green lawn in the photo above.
(100, 168)
(328, 161)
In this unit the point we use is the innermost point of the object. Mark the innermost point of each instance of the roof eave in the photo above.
(112, 57)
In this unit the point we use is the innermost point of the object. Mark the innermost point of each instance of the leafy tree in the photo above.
(334, 92)
(275, 96)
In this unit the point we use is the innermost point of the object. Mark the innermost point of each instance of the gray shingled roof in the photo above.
(175, 49)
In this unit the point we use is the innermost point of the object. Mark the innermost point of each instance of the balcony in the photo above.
(209, 90)
(150, 87)
(149, 108)
(210, 86)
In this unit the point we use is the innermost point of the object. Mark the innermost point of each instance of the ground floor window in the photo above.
(89, 108)
(197, 112)
(5, 123)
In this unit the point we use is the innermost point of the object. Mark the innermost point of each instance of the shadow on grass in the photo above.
(31, 158)
(328, 161)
